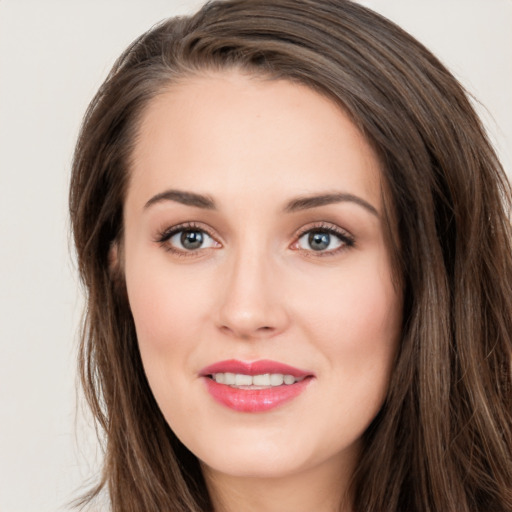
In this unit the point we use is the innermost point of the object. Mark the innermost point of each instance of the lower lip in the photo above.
(254, 400)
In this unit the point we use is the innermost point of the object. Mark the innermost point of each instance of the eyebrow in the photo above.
(307, 202)
(186, 198)
(298, 204)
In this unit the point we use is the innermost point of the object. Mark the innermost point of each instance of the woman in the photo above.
(295, 242)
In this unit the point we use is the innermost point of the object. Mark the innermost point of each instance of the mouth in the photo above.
(260, 381)
(257, 386)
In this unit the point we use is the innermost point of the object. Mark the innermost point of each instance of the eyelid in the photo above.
(164, 235)
(327, 227)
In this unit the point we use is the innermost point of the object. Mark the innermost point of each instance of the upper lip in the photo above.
(259, 367)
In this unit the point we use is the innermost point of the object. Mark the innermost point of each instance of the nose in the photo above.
(252, 304)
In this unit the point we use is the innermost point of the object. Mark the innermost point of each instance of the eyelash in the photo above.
(347, 240)
(164, 236)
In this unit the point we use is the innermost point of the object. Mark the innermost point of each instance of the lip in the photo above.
(253, 368)
(254, 400)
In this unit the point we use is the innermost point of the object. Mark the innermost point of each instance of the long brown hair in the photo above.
(443, 439)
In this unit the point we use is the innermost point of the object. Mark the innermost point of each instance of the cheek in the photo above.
(355, 319)
(166, 309)
(165, 305)
(359, 299)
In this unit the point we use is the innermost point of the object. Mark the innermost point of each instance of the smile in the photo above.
(252, 381)
(254, 387)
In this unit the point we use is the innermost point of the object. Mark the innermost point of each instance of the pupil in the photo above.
(319, 241)
(191, 239)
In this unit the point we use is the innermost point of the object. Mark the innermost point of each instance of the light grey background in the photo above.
(53, 56)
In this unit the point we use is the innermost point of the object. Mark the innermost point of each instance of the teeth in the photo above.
(243, 380)
(276, 379)
(229, 378)
(289, 379)
(263, 380)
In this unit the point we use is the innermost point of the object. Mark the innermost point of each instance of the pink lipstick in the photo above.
(256, 386)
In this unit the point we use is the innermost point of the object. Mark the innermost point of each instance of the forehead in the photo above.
(225, 132)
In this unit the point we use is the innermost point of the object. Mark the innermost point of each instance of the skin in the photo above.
(256, 289)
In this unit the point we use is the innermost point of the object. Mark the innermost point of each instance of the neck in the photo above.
(323, 489)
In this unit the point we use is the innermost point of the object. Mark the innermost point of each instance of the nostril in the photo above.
(245, 334)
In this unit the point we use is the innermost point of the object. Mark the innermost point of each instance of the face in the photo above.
(258, 274)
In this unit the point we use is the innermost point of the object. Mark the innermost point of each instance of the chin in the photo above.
(247, 452)
(255, 465)
(262, 455)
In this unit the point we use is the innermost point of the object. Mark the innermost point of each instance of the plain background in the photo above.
(53, 56)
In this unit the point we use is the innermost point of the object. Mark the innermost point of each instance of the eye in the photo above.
(187, 239)
(190, 240)
(319, 241)
(324, 240)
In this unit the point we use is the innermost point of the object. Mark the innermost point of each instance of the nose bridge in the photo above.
(252, 304)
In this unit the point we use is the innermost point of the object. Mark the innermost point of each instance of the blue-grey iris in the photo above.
(319, 241)
(191, 239)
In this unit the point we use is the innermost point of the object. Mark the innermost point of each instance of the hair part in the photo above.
(443, 438)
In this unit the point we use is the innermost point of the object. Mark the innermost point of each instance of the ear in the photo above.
(115, 262)
(116, 271)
